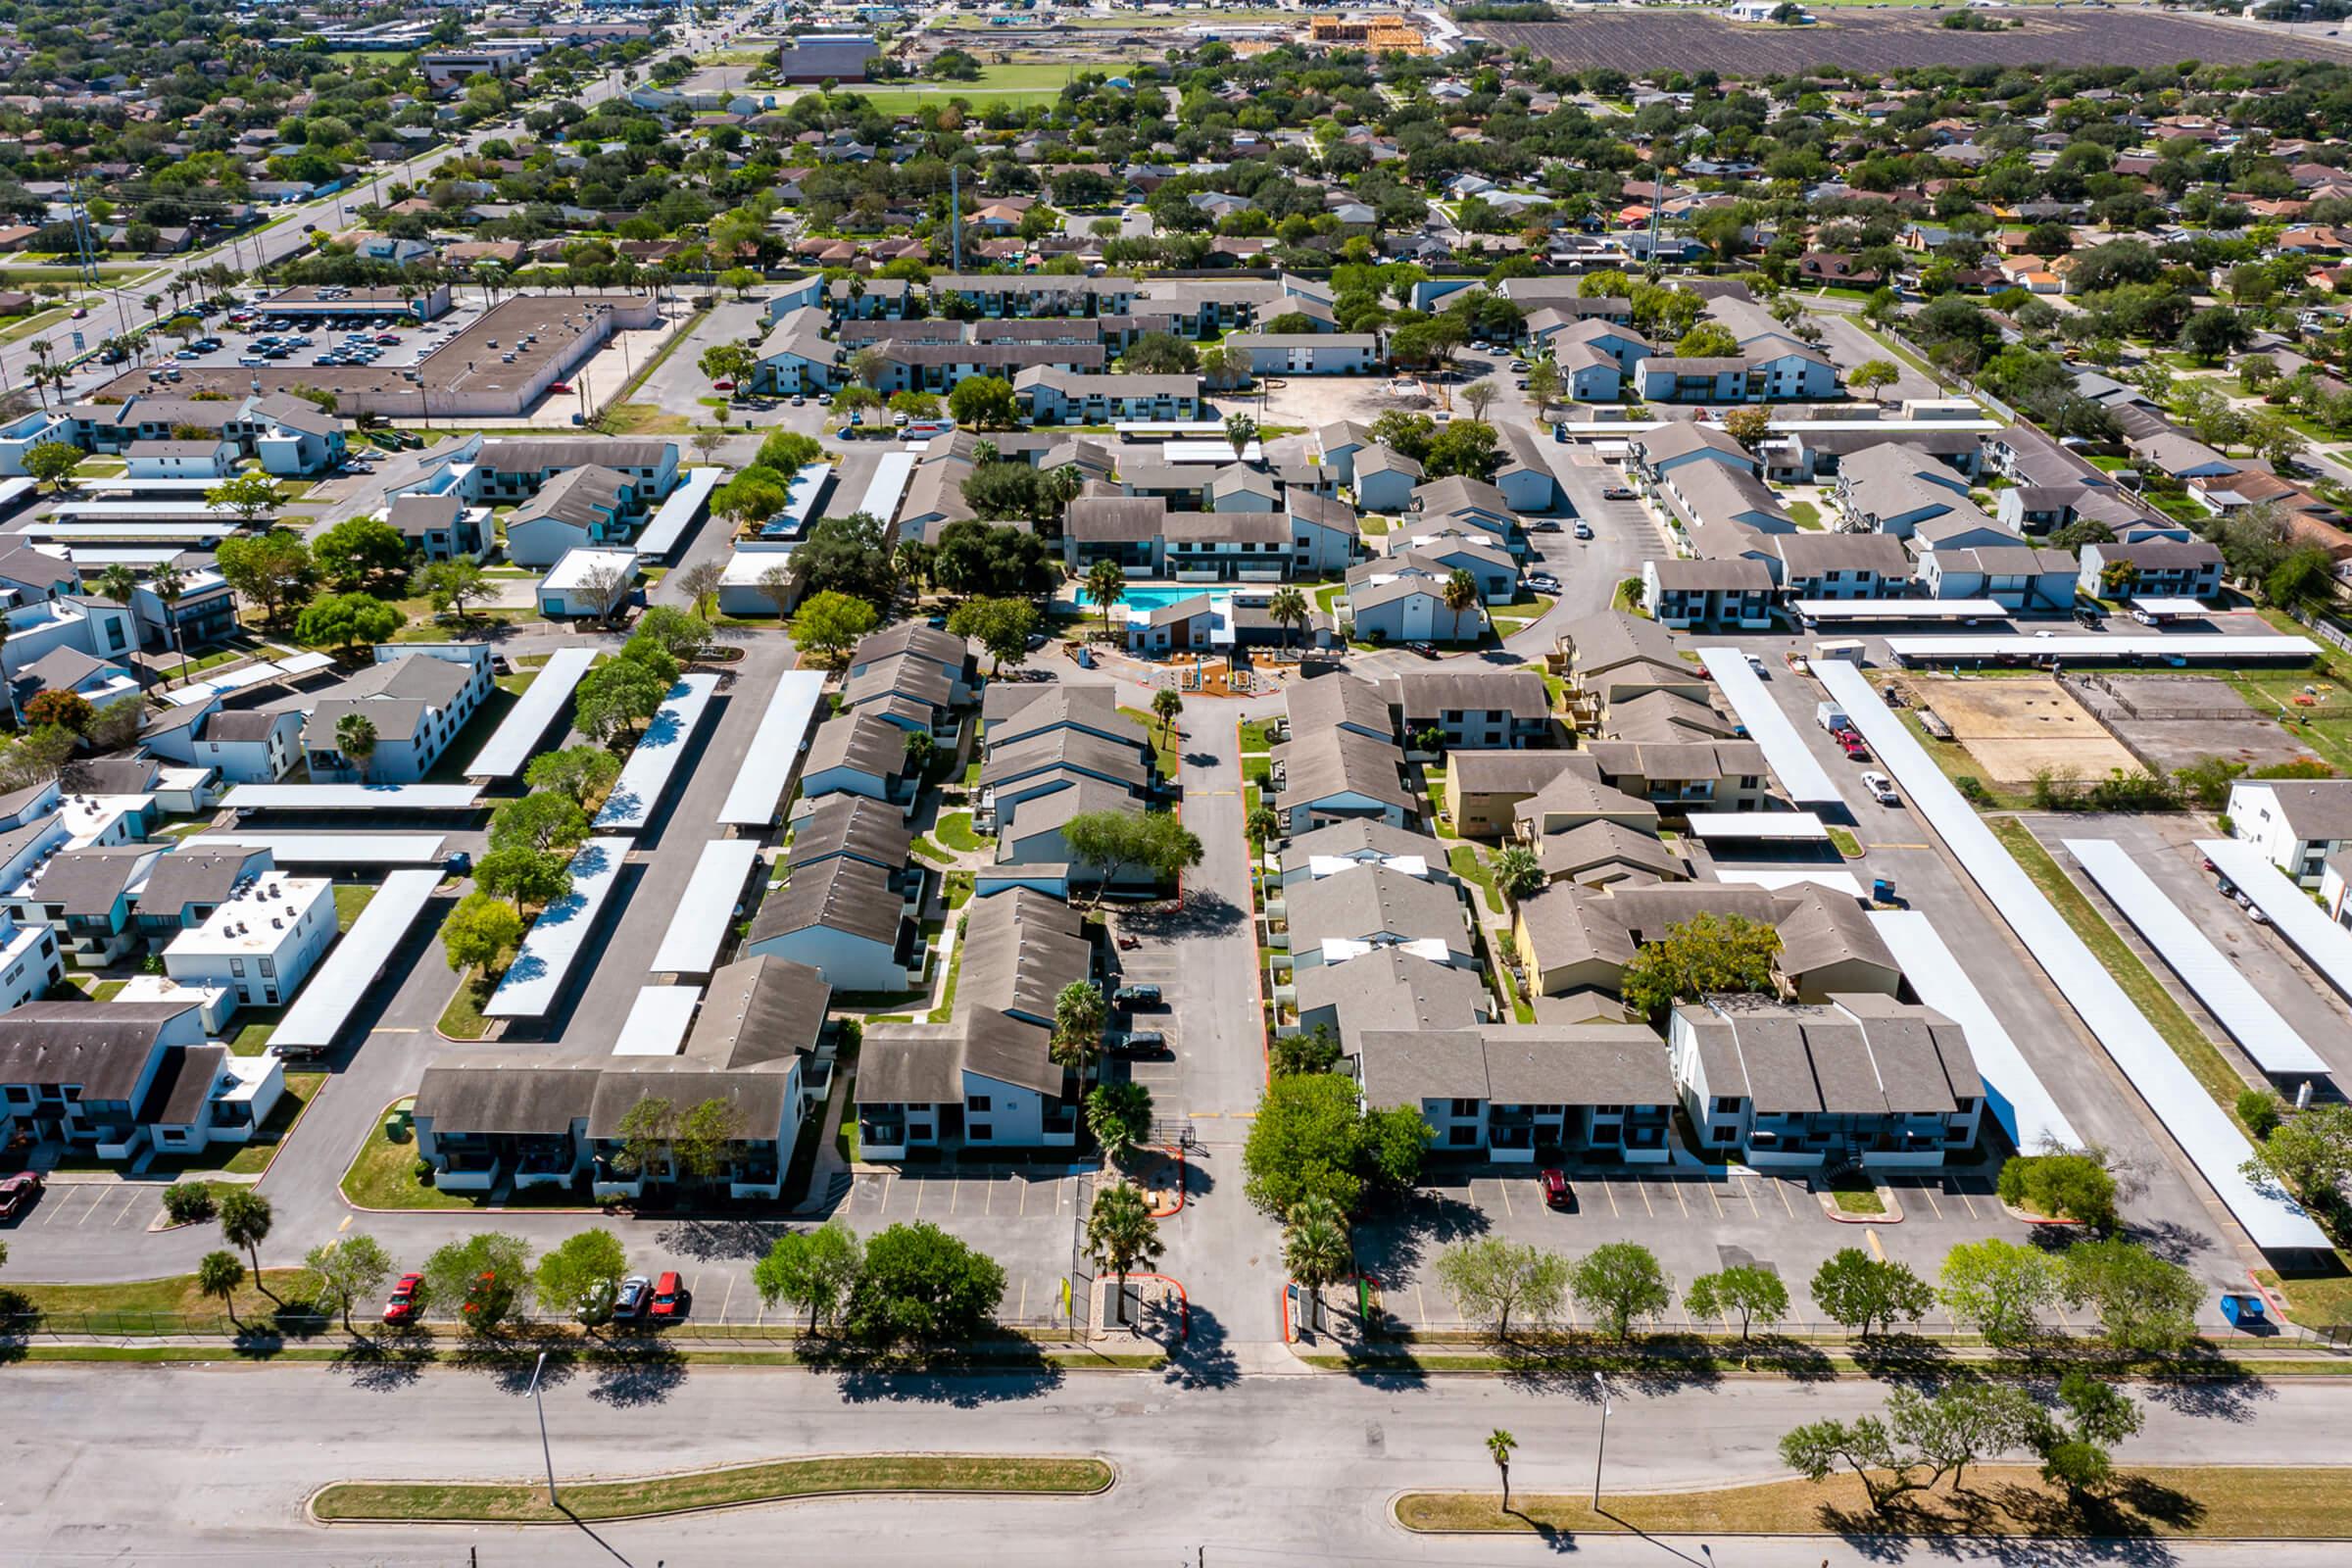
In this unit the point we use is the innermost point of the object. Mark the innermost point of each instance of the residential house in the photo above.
(416, 698)
(1502, 1091)
(116, 1080)
(2299, 823)
(1682, 594)
(2151, 569)
(259, 944)
(854, 922)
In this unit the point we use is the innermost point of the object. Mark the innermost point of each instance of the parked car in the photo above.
(1425, 650)
(1543, 526)
(1557, 1193)
(1881, 789)
(402, 1305)
(1855, 750)
(1617, 492)
(669, 1296)
(1136, 996)
(1583, 530)
(1134, 1042)
(2090, 617)
(629, 1301)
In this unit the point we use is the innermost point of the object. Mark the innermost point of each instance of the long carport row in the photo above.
(2204, 1132)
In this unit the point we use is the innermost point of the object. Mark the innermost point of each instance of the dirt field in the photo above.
(2015, 728)
(2172, 720)
(1637, 42)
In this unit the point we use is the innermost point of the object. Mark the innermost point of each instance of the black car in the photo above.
(1134, 1042)
(1136, 996)
(1425, 650)
(2090, 618)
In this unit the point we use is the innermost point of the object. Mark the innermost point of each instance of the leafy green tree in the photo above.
(997, 560)
(1312, 1139)
(582, 1275)
(488, 1275)
(1120, 1233)
(2063, 1185)
(1751, 1294)
(347, 621)
(1109, 841)
(2310, 1153)
(1708, 340)
(1492, 1279)
(2146, 1304)
(480, 932)
(643, 1133)
(828, 625)
(358, 551)
(1861, 1292)
(450, 585)
(538, 821)
(1620, 1284)
(1311, 1050)
(523, 876)
(1998, 1287)
(2075, 1446)
(725, 362)
(1871, 375)
(1694, 957)
(273, 569)
(248, 495)
(788, 452)
(984, 403)
(923, 1285)
(704, 1142)
(673, 630)
(52, 462)
(221, 1274)
(1466, 447)
(344, 1270)
(578, 774)
(849, 555)
(245, 1219)
(1001, 627)
(1962, 1423)
(815, 1269)
(1119, 1115)
(1261, 824)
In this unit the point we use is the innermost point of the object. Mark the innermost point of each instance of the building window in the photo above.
(978, 1132)
(1727, 1105)
(236, 967)
(1466, 1108)
(975, 1103)
(1462, 1137)
(1722, 1135)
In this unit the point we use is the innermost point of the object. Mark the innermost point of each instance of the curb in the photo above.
(310, 1516)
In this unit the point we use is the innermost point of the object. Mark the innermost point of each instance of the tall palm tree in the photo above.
(245, 1217)
(1079, 1014)
(1120, 1233)
(1500, 1445)
(1460, 593)
(1286, 609)
(170, 585)
(1105, 586)
(1167, 706)
(220, 1274)
(355, 738)
(1314, 1248)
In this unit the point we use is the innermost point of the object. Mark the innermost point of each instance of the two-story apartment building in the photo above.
(1592, 1091)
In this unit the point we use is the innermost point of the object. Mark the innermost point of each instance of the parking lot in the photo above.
(1695, 1224)
(1024, 1216)
(410, 343)
(94, 1205)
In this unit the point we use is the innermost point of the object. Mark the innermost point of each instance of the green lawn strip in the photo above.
(271, 1350)
(351, 899)
(955, 830)
(383, 1175)
(1859, 1199)
(1711, 1357)
(2277, 1503)
(105, 989)
(253, 1033)
(1470, 868)
(173, 1296)
(1847, 845)
(2319, 1298)
(1256, 769)
(1256, 736)
(1804, 513)
(525, 1502)
(947, 996)
(252, 1157)
(462, 1018)
(2188, 1041)
(932, 851)
(1163, 745)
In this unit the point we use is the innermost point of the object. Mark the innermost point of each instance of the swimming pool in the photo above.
(1155, 597)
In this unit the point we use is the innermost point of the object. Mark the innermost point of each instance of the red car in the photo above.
(722, 384)
(1557, 1193)
(669, 1296)
(559, 386)
(18, 1191)
(402, 1308)
(1855, 750)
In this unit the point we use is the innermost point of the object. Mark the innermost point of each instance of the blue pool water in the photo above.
(1150, 598)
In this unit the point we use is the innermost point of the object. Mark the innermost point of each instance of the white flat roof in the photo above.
(553, 943)
(508, 750)
(1757, 825)
(1903, 608)
(234, 927)
(656, 757)
(2178, 607)
(2203, 1129)
(351, 965)
(353, 797)
(677, 512)
(776, 748)
(1784, 751)
(573, 569)
(888, 487)
(2096, 647)
(132, 484)
(2325, 945)
(332, 849)
(657, 1021)
(1218, 452)
(71, 532)
(2268, 1038)
(697, 928)
(2012, 1089)
(1748, 876)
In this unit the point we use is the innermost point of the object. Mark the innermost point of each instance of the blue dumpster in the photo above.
(1881, 890)
(1559, 430)
(2243, 1309)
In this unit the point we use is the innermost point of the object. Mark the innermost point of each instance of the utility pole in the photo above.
(955, 221)
(548, 1453)
(1600, 1448)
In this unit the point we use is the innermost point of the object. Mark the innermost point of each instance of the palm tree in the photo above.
(355, 738)
(1460, 593)
(1499, 1443)
(118, 582)
(984, 453)
(1167, 706)
(1239, 431)
(1120, 1234)
(1079, 1014)
(1314, 1249)
(170, 585)
(1288, 608)
(1106, 585)
(220, 1274)
(1063, 485)
(1516, 870)
(245, 1222)
(1112, 1114)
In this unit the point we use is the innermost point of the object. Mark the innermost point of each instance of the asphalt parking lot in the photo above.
(1695, 1224)
(415, 343)
(1024, 1216)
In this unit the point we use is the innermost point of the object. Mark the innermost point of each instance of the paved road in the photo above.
(123, 1464)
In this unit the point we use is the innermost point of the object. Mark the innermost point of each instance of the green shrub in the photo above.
(2258, 1108)
(188, 1202)
(1972, 788)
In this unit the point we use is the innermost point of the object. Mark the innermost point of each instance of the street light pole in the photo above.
(1600, 1448)
(549, 1454)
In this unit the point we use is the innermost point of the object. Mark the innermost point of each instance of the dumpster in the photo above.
(2244, 1309)
(1559, 430)
(1881, 890)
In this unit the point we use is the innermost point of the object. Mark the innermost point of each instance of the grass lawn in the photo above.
(1520, 612)
(2315, 1298)
(350, 899)
(522, 1502)
(2248, 1501)
(176, 1295)
(643, 419)
(955, 830)
(1255, 736)
(1375, 526)
(1328, 596)
(1470, 868)
(1859, 1199)
(255, 1027)
(2275, 692)
(947, 995)
(908, 100)
(383, 1175)
(1256, 769)
(1805, 512)
(845, 1136)
(1847, 845)
(2156, 1003)
(462, 1018)
(1169, 751)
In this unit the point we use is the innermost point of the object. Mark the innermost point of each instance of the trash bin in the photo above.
(2244, 1309)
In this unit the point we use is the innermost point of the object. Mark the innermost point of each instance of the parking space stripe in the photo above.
(1644, 1188)
(1747, 1190)
(1505, 1187)
(727, 1300)
(1609, 1189)
(1782, 1188)
(1971, 1207)
(1713, 1198)
(1929, 1193)
(918, 1197)
(1678, 1201)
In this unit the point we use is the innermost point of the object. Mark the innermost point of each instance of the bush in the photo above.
(1972, 789)
(2258, 1108)
(2074, 1186)
(188, 1202)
